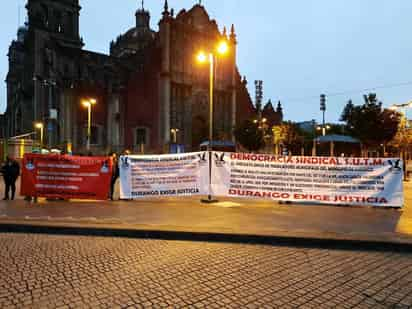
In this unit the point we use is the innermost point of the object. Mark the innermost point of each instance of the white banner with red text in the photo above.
(327, 180)
(148, 176)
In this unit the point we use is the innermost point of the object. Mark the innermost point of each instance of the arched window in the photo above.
(45, 12)
(59, 21)
(141, 139)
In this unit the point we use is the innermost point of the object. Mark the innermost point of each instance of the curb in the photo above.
(174, 235)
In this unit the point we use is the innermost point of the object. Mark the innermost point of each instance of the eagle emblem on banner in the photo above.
(395, 166)
(125, 162)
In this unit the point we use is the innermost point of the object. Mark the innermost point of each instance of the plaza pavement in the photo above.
(227, 220)
(67, 271)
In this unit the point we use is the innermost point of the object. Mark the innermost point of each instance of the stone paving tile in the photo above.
(44, 271)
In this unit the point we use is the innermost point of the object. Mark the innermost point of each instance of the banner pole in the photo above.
(211, 85)
(210, 176)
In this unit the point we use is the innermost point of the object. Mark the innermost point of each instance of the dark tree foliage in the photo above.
(369, 122)
(336, 129)
(249, 135)
(292, 137)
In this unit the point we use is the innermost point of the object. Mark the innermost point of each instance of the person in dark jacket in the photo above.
(10, 171)
(115, 174)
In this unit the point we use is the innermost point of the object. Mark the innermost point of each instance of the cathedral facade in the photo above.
(150, 91)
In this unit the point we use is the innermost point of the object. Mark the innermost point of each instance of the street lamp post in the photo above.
(88, 104)
(262, 126)
(222, 48)
(203, 58)
(261, 123)
(40, 126)
(322, 128)
(323, 109)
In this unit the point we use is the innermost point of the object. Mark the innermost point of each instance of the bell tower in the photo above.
(60, 18)
(142, 18)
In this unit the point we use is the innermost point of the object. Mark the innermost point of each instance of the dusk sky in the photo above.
(300, 49)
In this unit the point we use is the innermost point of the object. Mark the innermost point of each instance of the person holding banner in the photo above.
(11, 171)
(115, 174)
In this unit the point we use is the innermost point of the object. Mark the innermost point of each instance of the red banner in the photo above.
(63, 176)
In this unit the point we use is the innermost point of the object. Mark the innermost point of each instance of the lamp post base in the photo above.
(209, 200)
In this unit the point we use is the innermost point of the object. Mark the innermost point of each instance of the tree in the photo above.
(402, 141)
(369, 122)
(290, 136)
(249, 135)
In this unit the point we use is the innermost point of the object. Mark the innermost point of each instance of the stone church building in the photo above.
(149, 90)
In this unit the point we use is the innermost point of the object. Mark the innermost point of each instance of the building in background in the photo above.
(146, 88)
(274, 117)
